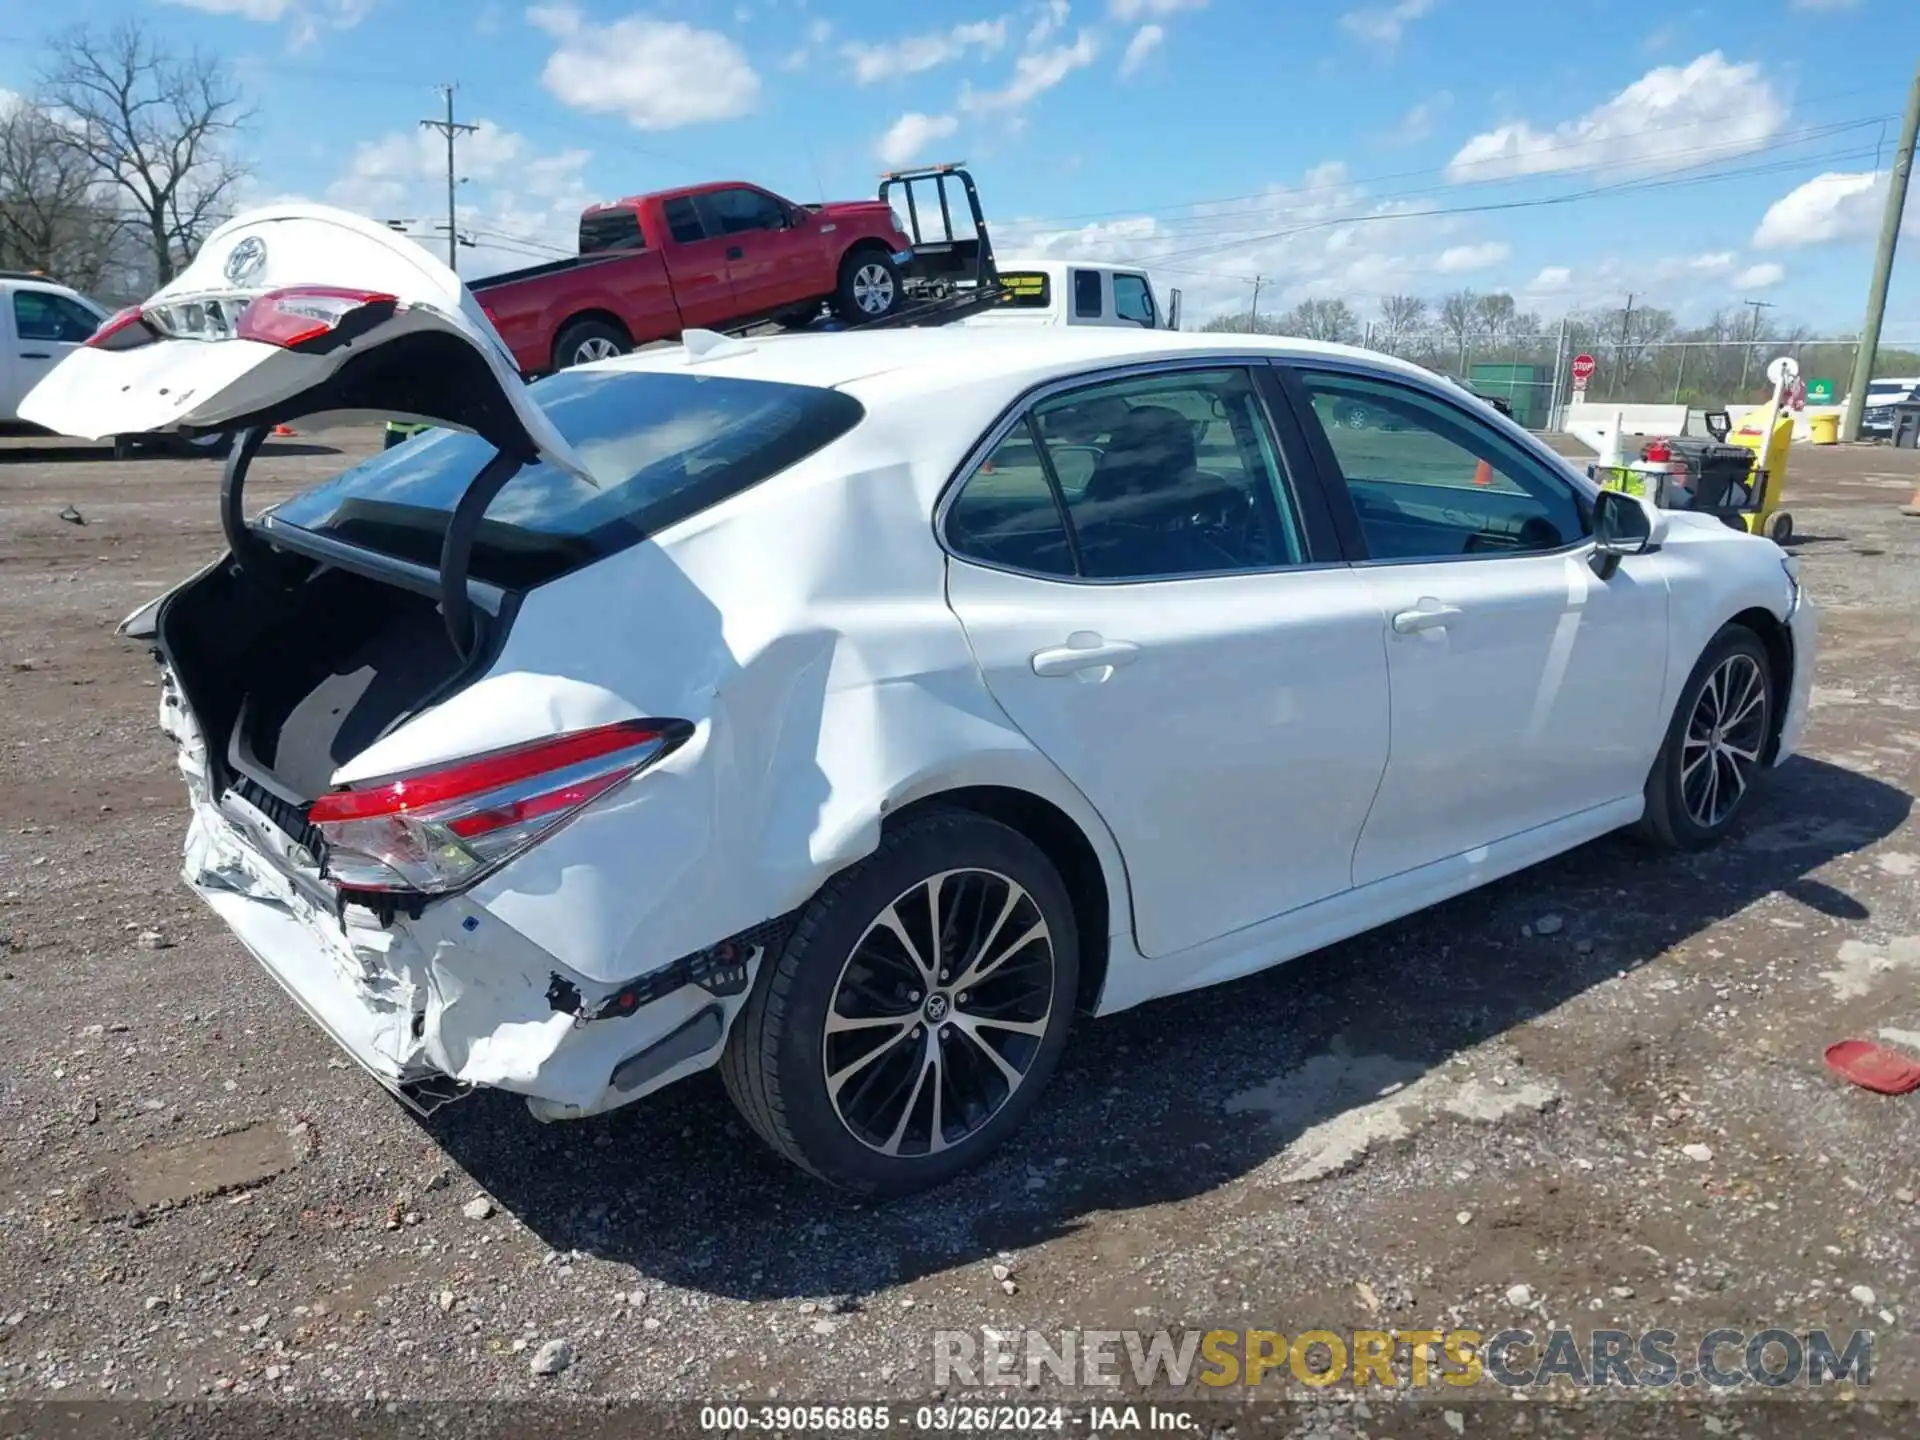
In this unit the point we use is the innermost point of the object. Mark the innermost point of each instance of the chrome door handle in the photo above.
(1083, 651)
(1435, 617)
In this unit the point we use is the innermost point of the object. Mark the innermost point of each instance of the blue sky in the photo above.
(1734, 144)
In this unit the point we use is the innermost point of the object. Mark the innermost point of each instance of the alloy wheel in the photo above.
(596, 348)
(939, 1012)
(873, 289)
(1724, 738)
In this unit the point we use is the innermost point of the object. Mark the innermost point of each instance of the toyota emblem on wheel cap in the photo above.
(245, 259)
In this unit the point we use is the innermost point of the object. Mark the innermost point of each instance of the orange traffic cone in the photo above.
(1483, 474)
(1912, 507)
(284, 430)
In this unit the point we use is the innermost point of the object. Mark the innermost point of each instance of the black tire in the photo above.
(1780, 530)
(588, 340)
(775, 1064)
(870, 286)
(1676, 818)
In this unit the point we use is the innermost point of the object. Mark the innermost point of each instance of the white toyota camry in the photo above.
(852, 711)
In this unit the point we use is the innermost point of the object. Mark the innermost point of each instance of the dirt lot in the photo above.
(1591, 1095)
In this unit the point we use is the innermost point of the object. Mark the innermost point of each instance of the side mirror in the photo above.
(1173, 309)
(1623, 525)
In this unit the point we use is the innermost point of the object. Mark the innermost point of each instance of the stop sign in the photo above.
(1583, 368)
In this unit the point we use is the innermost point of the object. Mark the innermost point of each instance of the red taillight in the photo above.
(304, 314)
(442, 829)
(122, 330)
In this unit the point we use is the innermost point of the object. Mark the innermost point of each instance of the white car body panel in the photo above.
(1311, 772)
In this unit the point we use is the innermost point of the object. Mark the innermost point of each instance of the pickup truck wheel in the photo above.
(588, 340)
(869, 286)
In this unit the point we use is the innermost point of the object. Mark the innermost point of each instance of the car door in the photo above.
(1526, 688)
(46, 326)
(697, 264)
(1155, 603)
(769, 262)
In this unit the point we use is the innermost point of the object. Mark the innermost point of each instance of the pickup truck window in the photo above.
(1132, 300)
(683, 220)
(1026, 289)
(741, 209)
(664, 445)
(1086, 294)
(602, 230)
(43, 315)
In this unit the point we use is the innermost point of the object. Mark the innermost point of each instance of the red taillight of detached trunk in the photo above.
(123, 330)
(443, 829)
(301, 317)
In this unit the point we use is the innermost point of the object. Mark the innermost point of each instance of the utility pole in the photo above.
(448, 128)
(1883, 265)
(1620, 351)
(1753, 338)
(1253, 310)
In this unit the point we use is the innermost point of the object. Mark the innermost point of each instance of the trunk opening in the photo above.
(290, 681)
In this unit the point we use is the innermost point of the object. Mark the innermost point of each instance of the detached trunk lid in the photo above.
(299, 310)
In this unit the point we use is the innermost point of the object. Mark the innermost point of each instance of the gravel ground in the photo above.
(1591, 1094)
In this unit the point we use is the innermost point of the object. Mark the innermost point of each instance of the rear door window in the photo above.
(683, 220)
(665, 446)
(1086, 295)
(617, 229)
(1025, 289)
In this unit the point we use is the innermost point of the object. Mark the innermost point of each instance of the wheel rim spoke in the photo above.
(1723, 740)
(939, 1012)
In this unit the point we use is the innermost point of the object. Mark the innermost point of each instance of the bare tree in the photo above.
(1332, 320)
(1458, 321)
(53, 217)
(1402, 319)
(156, 125)
(1493, 317)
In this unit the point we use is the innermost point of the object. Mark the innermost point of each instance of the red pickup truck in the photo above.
(703, 257)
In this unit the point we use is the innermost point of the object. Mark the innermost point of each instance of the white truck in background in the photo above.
(41, 322)
(1079, 292)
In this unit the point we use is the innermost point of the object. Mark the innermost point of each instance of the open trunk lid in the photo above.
(296, 310)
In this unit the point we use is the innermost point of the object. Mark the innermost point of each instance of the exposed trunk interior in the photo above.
(290, 680)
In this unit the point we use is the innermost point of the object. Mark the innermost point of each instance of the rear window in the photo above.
(665, 446)
(1026, 289)
(610, 230)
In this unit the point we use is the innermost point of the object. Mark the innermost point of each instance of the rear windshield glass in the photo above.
(1025, 289)
(609, 230)
(663, 447)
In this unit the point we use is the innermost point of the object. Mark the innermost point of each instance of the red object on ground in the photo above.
(1873, 1067)
(284, 430)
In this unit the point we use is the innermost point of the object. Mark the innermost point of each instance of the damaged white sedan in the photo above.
(850, 711)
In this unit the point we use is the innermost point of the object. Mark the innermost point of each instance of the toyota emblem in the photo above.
(245, 259)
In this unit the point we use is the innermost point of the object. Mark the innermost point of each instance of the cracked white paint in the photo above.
(1862, 965)
(1370, 1102)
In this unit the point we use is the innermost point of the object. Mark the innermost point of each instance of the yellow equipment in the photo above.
(1760, 513)
(1713, 479)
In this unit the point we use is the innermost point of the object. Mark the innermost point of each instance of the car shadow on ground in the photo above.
(678, 1187)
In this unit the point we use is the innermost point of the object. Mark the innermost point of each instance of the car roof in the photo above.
(934, 360)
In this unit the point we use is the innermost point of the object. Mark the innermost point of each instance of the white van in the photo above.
(1079, 292)
(41, 322)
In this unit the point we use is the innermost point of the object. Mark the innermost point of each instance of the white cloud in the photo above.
(1144, 42)
(1383, 25)
(1053, 14)
(909, 136)
(660, 74)
(1128, 11)
(265, 11)
(915, 53)
(1034, 74)
(518, 204)
(1417, 124)
(1550, 280)
(1458, 258)
(1325, 237)
(818, 33)
(1707, 109)
(1760, 277)
(1837, 206)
